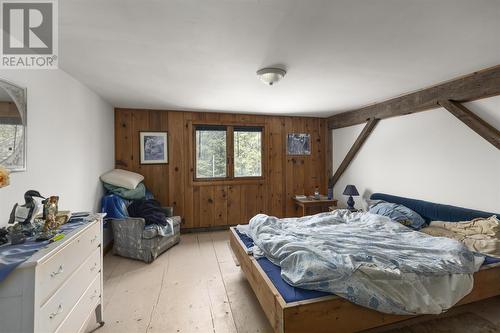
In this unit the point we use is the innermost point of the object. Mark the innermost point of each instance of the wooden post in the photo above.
(365, 133)
(329, 152)
(476, 123)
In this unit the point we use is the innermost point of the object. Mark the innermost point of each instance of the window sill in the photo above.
(234, 181)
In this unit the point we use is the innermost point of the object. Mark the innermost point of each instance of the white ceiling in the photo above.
(340, 55)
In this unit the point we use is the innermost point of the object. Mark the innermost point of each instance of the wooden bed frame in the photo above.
(333, 313)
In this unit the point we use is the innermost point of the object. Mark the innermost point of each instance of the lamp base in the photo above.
(350, 204)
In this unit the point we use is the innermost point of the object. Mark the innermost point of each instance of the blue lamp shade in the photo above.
(351, 190)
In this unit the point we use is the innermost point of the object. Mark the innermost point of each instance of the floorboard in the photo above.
(196, 287)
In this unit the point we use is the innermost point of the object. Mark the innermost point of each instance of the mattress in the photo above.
(293, 294)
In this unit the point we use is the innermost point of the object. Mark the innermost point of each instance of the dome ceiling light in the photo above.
(271, 75)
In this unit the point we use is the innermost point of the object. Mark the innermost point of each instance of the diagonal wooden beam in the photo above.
(481, 84)
(365, 133)
(476, 123)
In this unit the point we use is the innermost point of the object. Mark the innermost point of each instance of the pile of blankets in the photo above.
(128, 197)
(479, 235)
(125, 184)
(368, 259)
(137, 193)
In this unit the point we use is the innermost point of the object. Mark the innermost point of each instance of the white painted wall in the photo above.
(429, 155)
(70, 141)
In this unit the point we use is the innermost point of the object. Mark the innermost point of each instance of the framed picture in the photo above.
(299, 144)
(154, 147)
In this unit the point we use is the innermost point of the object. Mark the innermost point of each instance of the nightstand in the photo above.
(312, 206)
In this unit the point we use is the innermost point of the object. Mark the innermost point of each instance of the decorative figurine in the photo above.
(24, 215)
(50, 210)
(317, 195)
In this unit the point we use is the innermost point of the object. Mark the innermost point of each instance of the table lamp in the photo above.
(350, 190)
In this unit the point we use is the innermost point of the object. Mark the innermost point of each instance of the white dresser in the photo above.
(58, 288)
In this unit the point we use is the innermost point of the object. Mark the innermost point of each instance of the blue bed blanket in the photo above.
(368, 259)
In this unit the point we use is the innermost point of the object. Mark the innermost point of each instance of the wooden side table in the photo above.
(312, 206)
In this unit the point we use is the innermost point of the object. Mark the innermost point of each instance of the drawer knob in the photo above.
(54, 314)
(59, 271)
(93, 239)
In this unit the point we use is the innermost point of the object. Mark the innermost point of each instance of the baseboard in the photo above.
(205, 229)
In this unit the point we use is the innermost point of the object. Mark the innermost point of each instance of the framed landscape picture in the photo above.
(299, 144)
(154, 147)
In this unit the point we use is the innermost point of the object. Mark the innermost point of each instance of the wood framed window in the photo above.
(228, 152)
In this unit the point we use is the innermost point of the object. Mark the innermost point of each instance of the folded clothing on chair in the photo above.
(149, 209)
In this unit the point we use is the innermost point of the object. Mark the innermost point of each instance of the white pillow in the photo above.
(122, 178)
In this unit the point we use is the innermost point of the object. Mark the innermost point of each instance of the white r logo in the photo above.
(35, 19)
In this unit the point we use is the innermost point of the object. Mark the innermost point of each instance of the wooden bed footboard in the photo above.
(269, 297)
(333, 313)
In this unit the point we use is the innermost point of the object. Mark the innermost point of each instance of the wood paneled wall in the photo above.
(227, 203)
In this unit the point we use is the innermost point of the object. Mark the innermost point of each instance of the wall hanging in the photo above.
(299, 144)
(154, 147)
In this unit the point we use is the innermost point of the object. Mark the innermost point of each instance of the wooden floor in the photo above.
(196, 287)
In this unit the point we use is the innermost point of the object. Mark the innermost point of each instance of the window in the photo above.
(247, 152)
(228, 152)
(211, 152)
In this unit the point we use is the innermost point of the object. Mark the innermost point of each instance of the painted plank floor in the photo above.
(196, 287)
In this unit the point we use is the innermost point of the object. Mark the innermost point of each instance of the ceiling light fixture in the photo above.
(271, 75)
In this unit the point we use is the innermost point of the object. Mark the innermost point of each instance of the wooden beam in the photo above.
(365, 133)
(328, 136)
(476, 123)
(481, 84)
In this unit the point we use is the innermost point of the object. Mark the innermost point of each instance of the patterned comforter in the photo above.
(367, 259)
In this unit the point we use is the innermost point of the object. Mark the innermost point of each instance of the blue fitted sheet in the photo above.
(289, 293)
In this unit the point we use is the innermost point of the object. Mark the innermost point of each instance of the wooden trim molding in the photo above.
(480, 84)
(476, 123)
(365, 133)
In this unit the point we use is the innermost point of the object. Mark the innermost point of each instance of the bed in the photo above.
(291, 309)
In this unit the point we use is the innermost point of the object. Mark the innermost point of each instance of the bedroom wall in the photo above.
(70, 141)
(217, 203)
(428, 155)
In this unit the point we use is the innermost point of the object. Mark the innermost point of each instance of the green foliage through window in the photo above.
(247, 153)
(210, 153)
(212, 157)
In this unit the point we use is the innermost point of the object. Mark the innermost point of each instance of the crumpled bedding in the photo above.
(368, 259)
(479, 235)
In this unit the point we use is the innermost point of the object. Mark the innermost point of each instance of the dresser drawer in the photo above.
(52, 273)
(80, 313)
(53, 312)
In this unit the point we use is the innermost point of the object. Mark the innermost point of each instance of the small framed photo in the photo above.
(299, 144)
(154, 147)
